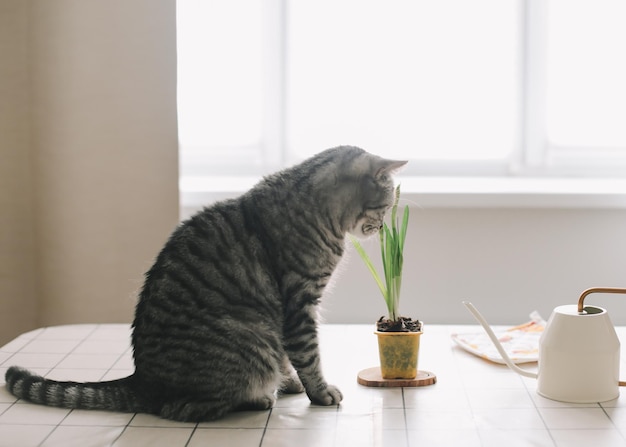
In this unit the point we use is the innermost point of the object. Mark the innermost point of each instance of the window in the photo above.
(220, 84)
(586, 81)
(429, 80)
(481, 87)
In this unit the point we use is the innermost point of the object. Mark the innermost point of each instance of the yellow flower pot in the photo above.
(398, 354)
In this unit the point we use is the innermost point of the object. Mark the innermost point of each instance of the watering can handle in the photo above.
(581, 300)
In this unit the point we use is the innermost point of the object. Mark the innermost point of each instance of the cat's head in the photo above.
(363, 190)
(375, 195)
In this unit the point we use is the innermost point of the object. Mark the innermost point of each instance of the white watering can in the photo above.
(579, 353)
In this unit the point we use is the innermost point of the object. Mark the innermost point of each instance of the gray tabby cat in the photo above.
(228, 309)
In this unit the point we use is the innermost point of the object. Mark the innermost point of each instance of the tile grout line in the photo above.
(56, 426)
(406, 424)
(530, 395)
(73, 349)
(467, 399)
(125, 428)
(12, 354)
(336, 433)
(611, 419)
(192, 433)
(12, 404)
(267, 422)
(119, 357)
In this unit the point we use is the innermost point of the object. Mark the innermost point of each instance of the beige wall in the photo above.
(89, 187)
(18, 299)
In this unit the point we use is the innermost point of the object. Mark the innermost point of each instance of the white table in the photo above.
(474, 403)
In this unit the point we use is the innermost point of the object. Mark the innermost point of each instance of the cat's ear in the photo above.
(383, 166)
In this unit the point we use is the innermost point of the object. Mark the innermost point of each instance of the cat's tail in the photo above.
(115, 395)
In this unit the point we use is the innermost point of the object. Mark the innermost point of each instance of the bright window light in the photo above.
(586, 73)
(431, 80)
(220, 73)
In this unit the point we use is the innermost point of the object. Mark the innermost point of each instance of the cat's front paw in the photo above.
(330, 395)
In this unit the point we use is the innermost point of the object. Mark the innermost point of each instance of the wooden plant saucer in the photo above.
(372, 377)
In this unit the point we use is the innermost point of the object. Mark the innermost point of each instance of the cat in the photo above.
(227, 315)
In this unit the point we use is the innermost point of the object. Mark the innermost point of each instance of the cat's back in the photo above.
(211, 260)
(212, 275)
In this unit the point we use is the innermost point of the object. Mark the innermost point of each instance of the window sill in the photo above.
(451, 192)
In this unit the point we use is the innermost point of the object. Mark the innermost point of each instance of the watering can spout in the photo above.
(497, 344)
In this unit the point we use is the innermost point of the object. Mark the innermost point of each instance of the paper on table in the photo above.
(521, 342)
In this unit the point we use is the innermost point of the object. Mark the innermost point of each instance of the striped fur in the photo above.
(227, 313)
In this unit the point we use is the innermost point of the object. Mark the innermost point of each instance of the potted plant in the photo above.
(398, 337)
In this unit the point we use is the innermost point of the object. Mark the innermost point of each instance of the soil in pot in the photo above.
(402, 324)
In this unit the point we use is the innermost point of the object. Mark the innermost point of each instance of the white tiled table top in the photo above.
(474, 403)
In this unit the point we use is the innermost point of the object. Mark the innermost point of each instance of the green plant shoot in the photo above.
(392, 253)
